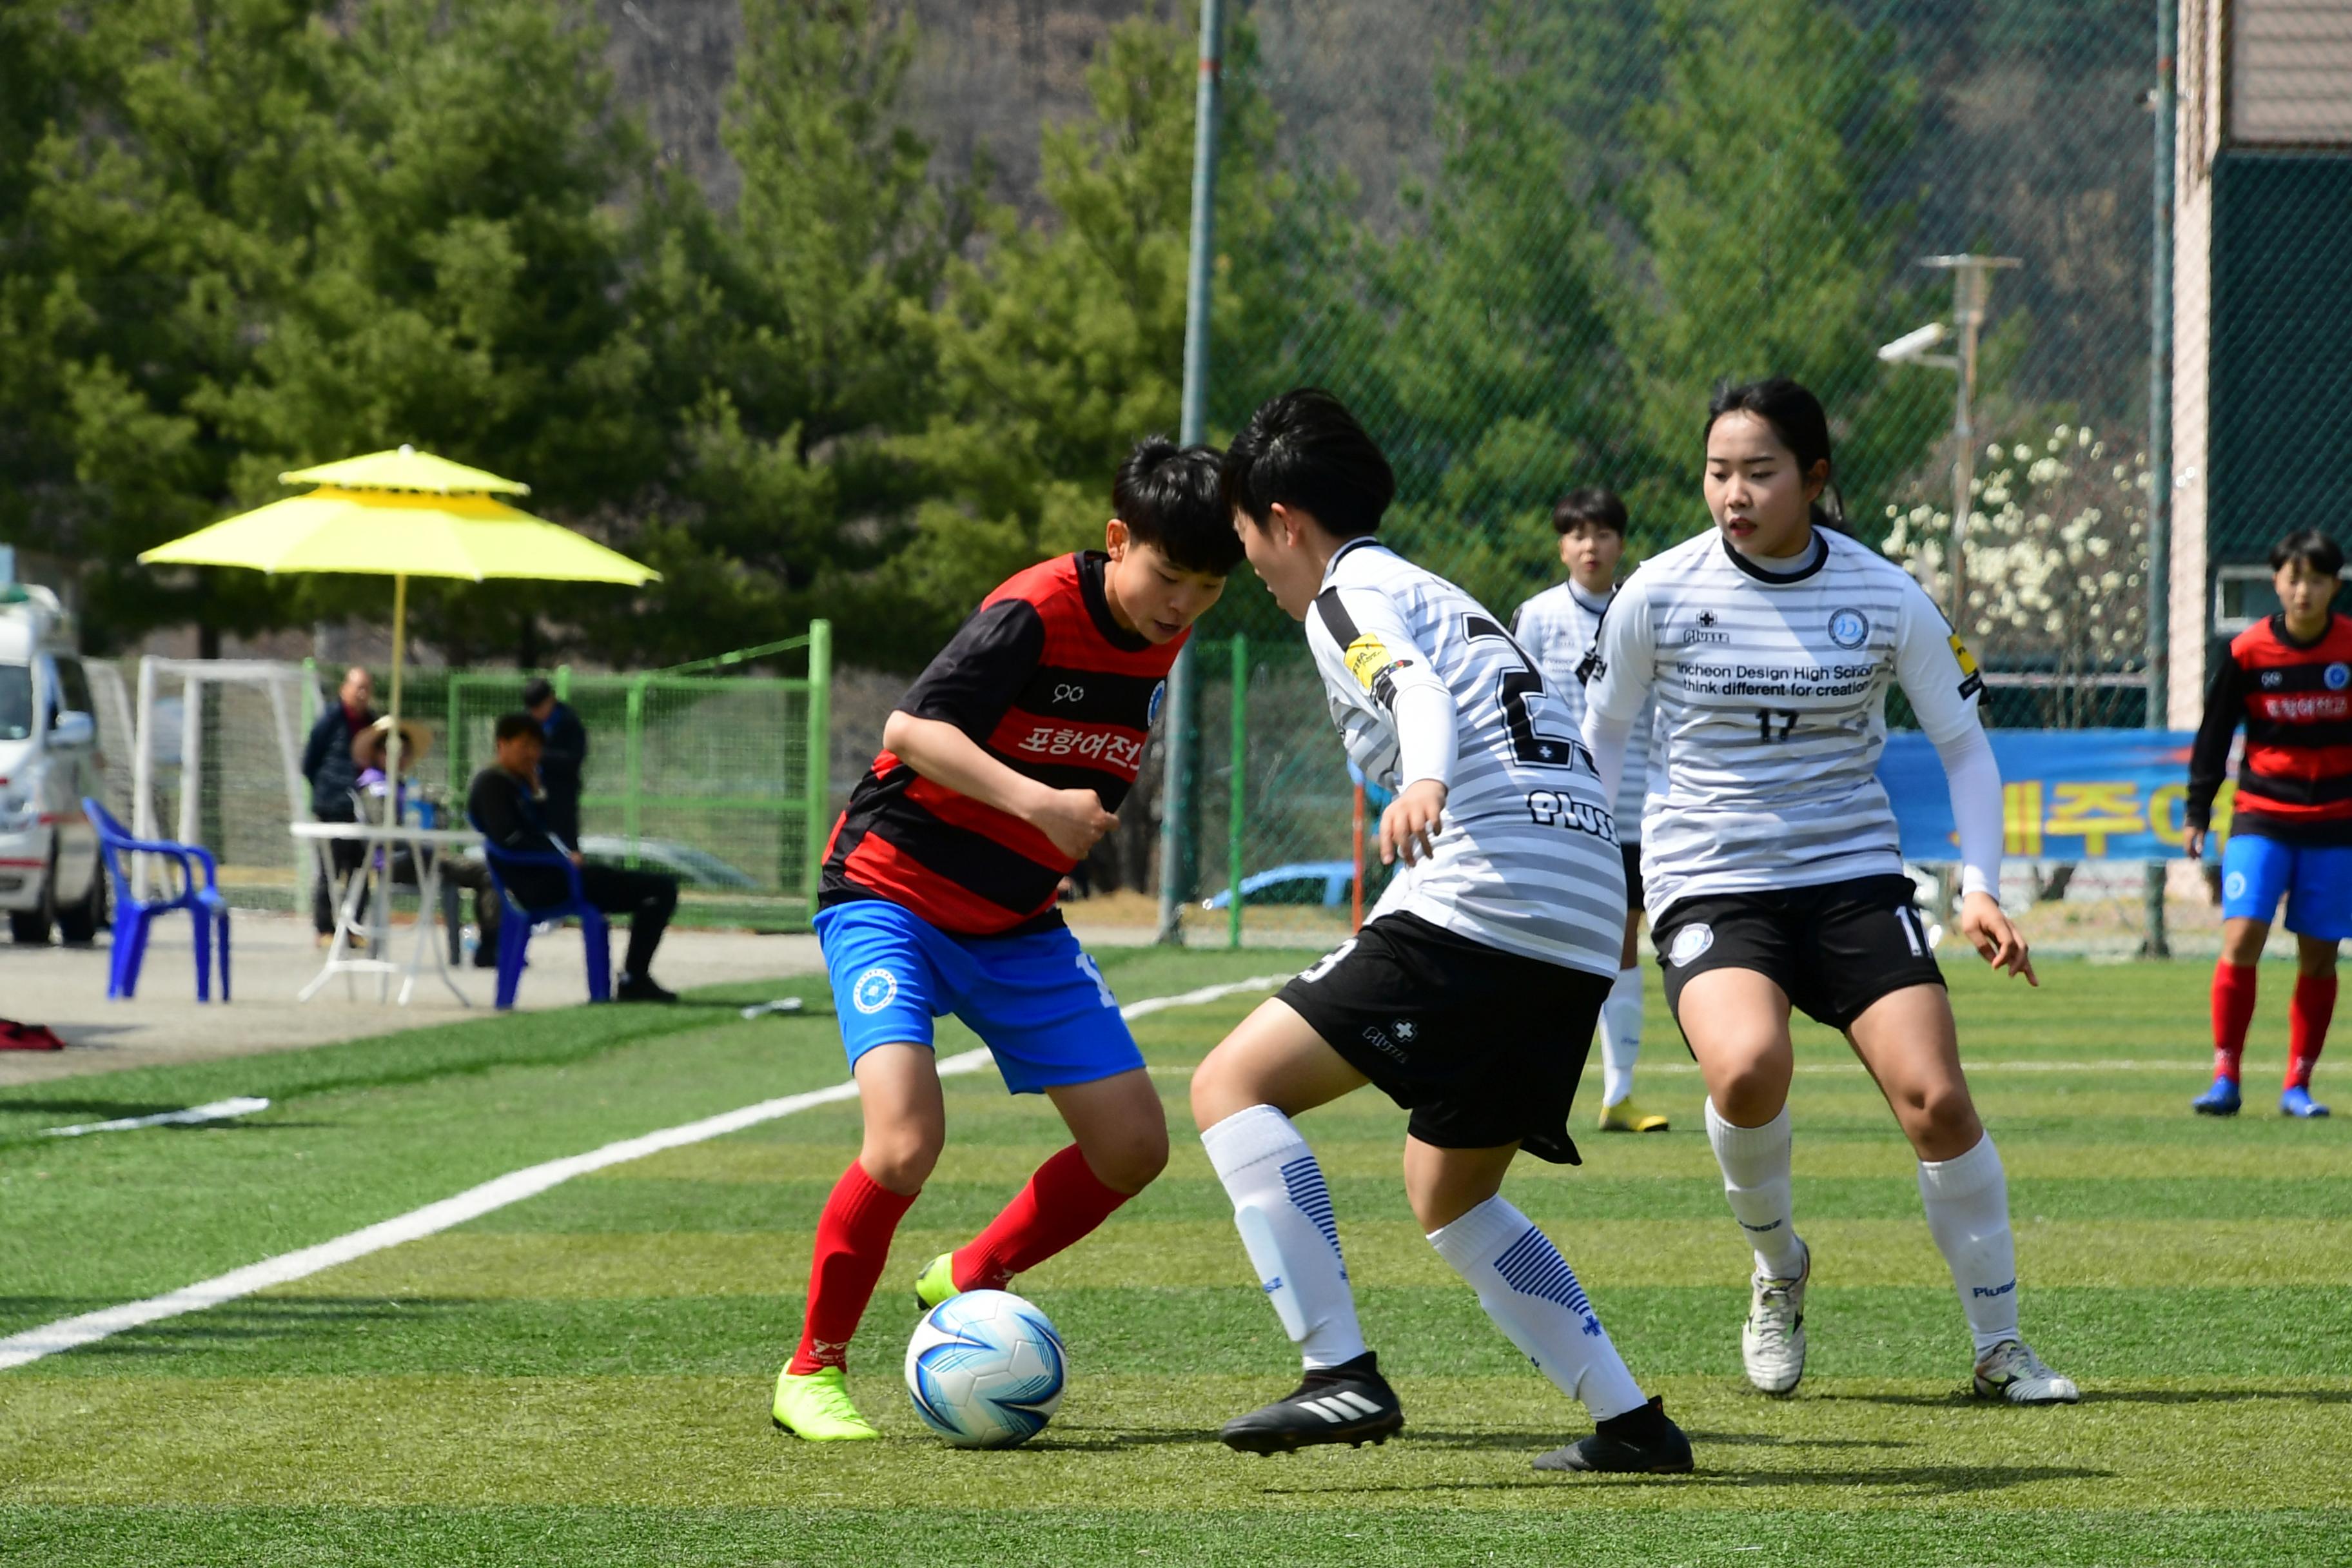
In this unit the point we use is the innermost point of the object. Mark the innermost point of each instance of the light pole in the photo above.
(1177, 850)
(1972, 286)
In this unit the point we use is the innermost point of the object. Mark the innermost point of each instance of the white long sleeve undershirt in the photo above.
(1974, 779)
(1428, 741)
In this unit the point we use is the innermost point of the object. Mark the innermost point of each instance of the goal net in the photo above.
(216, 755)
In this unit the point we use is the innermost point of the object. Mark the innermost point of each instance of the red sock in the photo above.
(2306, 1028)
(2234, 1009)
(1062, 1202)
(853, 1242)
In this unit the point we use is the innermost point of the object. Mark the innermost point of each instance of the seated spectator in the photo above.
(457, 871)
(506, 805)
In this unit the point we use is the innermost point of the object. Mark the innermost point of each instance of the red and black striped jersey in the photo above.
(2295, 701)
(1050, 685)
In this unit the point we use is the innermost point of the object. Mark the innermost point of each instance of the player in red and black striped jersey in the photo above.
(1000, 768)
(2288, 679)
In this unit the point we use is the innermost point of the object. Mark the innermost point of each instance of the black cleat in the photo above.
(641, 988)
(1351, 1403)
(1640, 1441)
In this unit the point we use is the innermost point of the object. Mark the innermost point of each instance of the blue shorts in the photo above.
(1038, 1001)
(2315, 877)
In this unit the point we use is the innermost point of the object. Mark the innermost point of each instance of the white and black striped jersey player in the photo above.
(1558, 629)
(1769, 689)
(1425, 683)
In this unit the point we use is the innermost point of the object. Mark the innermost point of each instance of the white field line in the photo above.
(1184, 1069)
(217, 1110)
(70, 1333)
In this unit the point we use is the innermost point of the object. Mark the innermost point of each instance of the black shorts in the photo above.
(1633, 853)
(1483, 1046)
(1834, 949)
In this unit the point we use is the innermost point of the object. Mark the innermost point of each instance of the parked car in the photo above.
(50, 876)
(696, 868)
(1324, 882)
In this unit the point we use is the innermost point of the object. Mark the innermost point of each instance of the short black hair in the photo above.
(1303, 449)
(2313, 549)
(1589, 503)
(1171, 498)
(537, 691)
(511, 725)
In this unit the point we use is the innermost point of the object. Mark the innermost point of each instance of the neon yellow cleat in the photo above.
(936, 1283)
(1627, 1117)
(816, 1406)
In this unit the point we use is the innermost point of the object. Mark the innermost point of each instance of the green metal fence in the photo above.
(715, 777)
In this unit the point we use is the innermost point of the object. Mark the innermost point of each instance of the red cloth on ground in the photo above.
(2306, 1028)
(2233, 1010)
(853, 1243)
(1064, 1201)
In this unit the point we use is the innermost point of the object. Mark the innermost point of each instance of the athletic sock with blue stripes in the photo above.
(1282, 1210)
(1529, 1290)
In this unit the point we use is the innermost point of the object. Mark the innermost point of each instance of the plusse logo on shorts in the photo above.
(876, 989)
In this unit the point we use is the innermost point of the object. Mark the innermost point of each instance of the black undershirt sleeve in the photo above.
(976, 676)
(2208, 758)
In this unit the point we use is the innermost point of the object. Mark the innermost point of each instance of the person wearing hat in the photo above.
(458, 872)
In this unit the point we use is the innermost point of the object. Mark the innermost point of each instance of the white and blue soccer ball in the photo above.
(986, 1370)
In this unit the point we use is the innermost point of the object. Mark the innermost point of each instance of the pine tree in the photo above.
(1770, 243)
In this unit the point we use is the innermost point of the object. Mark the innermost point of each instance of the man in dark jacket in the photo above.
(327, 763)
(505, 805)
(564, 761)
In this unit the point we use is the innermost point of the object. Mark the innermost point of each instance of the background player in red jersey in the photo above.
(2289, 680)
(1000, 770)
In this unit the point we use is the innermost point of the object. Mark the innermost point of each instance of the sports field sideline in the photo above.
(583, 1376)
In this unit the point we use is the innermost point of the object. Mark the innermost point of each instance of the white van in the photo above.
(50, 872)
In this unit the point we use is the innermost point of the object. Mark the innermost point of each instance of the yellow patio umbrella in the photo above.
(401, 514)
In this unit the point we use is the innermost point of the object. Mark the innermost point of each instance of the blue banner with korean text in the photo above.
(2066, 794)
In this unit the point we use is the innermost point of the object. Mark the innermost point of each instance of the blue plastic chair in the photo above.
(133, 917)
(514, 931)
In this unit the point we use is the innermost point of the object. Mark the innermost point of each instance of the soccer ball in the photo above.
(986, 1370)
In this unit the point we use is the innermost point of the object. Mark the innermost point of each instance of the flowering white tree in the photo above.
(2056, 564)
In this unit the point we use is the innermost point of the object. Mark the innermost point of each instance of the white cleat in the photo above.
(1772, 1341)
(2012, 1371)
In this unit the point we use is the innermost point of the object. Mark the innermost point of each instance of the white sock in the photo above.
(1529, 1290)
(1621, 1035)
(1966, 1201)
(1755, 1162)
(1283, 1212)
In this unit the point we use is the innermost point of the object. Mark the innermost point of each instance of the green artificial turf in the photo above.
(582, 1377)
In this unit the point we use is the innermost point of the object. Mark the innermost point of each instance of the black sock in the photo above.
(1638, 1422)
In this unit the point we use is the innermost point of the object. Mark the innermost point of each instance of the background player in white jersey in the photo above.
(1772, 858)
(1470, 994)
(1557, 627)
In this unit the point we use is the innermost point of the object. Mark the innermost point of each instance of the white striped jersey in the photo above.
(1556, 628)
(1771, 701)
(1526, 859)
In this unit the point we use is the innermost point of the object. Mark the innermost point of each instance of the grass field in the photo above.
(582, 1377)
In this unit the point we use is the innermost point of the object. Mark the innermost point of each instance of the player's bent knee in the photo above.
(1133, 1164)
(902, 1158)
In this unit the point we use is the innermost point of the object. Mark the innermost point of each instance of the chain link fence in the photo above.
(1573, 219)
